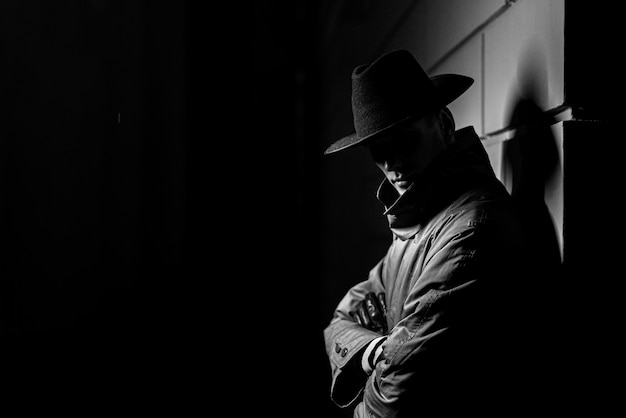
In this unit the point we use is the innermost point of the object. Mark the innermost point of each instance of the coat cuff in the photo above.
(345, 343)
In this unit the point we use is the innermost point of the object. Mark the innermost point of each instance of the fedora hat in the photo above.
(392, 91)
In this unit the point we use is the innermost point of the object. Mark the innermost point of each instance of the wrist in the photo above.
(373, 354)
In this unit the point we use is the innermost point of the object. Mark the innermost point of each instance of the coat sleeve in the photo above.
(433, 354)
(345, 340)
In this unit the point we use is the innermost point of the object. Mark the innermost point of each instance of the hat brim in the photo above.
(448, 87)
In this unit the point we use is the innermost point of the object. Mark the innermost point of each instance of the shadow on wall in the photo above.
(530, 162)
(531, 158)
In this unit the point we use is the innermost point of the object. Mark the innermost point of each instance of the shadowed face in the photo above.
(404, 154)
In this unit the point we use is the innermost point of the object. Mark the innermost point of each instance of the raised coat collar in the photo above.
(451, 173)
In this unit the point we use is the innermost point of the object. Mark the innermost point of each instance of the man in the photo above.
(436, 325)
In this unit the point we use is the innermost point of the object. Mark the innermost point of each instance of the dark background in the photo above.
(139, 149)
(95, 202)
(158, 215)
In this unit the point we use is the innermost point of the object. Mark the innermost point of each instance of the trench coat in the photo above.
(453, 290)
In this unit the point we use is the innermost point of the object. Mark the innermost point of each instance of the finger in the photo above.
(376, 314)
(383, 302)
(365, 318)
(356, 318)
(372, 307)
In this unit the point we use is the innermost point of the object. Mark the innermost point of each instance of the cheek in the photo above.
(421, 156)
(415, 157)
(422, 160)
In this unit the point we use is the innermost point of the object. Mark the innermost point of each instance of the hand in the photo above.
(371, 313)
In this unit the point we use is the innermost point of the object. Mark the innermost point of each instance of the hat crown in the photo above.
(390, 89)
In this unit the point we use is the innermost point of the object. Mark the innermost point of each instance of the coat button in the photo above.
(344, 352)
(337, 348)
